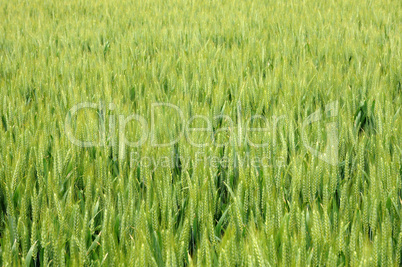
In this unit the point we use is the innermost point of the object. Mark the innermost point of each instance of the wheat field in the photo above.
(201, 133)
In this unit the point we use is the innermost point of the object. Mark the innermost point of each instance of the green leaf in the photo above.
(94, 243)
(28, 257)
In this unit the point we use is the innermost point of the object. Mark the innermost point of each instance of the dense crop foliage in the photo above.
(113, 204)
